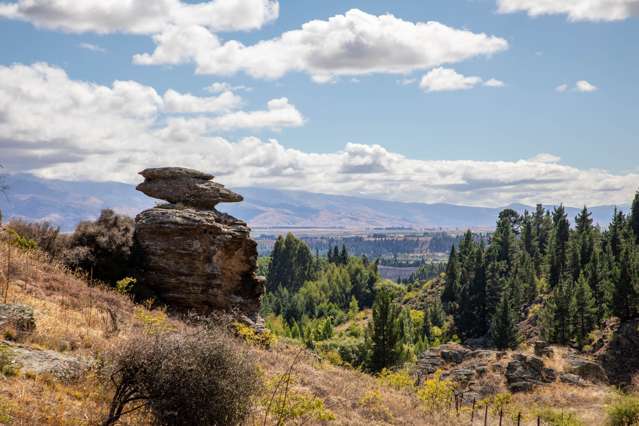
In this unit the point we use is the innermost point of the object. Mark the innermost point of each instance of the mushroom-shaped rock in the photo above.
(192, 257)
(189, 187)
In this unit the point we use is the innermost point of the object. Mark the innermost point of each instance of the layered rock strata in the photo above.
(193, 257)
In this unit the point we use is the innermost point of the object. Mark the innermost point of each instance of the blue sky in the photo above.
(522, 142)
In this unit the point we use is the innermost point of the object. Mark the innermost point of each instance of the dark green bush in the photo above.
(102, 248)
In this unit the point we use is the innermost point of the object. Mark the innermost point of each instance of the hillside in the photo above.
(55, 379)
(66, 203)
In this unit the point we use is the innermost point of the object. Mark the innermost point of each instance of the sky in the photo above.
(475, 102)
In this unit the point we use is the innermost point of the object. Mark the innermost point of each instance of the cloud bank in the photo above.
(141, 16)
(576, 10)
(57, 127)
(352, 44)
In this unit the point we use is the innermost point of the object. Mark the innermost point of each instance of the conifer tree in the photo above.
(384, 332)
(558, 321)
(343, 256)
(450, 293)
(558, 250)
(634, 217)
(625, 300)
(583, 311)
(504, 328)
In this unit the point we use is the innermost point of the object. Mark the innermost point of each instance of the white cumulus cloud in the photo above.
(352, 44)
(576, 10)
(446, 80)
(141, 16)
(584, 86)
(187, 103)
(580, 86)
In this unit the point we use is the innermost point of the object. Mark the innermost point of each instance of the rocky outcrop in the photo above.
(524, 372)
(16, 320)
(29, 360)
(618, 351)
(586, 369)
(194, 257)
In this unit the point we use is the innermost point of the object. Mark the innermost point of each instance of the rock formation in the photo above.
(193, 257)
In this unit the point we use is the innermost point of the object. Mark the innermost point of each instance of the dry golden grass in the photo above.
(75, 318)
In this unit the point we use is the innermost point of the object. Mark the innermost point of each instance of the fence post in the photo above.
(486, 415)
(6, 288)
(519, 419)
(538, 421)
(501, 415)
(472, 414)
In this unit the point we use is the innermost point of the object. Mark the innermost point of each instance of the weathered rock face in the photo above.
(194, 257)
(18, 319)
(185, 186)
(618, 351)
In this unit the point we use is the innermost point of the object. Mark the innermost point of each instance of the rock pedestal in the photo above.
(193, 257)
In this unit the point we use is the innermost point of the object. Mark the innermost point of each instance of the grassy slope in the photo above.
(78, 319)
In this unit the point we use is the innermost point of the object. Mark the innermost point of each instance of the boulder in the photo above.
(185, 186)
(571, 379)
(618, 351)
(542, 348)
(586, 369)
(192, 257)
(16, 318)
(30, 360)
(529, 370)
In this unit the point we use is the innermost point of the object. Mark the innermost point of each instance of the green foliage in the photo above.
(624, 411)
(126, 285)
(291, 264)
(553, 417)
(7, 366)
(384, 332)
(22, 242)
(436, 394)
(284, 405)
(504, 328)
(399, 380)
(265, 339)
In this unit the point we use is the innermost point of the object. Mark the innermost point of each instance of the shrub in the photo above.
(558, 418)
(46, 236)
(125, 285)
(286, 405)
(436, 393)
(396, 379)
(264, 339)
(624, 411)
(203, 378)
(102, 248)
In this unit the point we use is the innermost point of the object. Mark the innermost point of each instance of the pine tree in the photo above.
(450, 293)
(625, 300)
(597, 277)
(558, 250)
(343, 256)
(384, 332)
(634, 217)
(585, 236)
(504, 328)
(560, 315)
(583, 311)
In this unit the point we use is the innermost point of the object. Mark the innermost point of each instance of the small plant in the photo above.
(265, 339)
(399, 380)
(624, 411)
(436, 393)
(154, 322)
(126, 285)
(7, 367)
(286, 405)
(21, 242)
(373, 401)
(558, 418)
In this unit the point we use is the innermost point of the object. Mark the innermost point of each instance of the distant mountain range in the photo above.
(67, 203)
